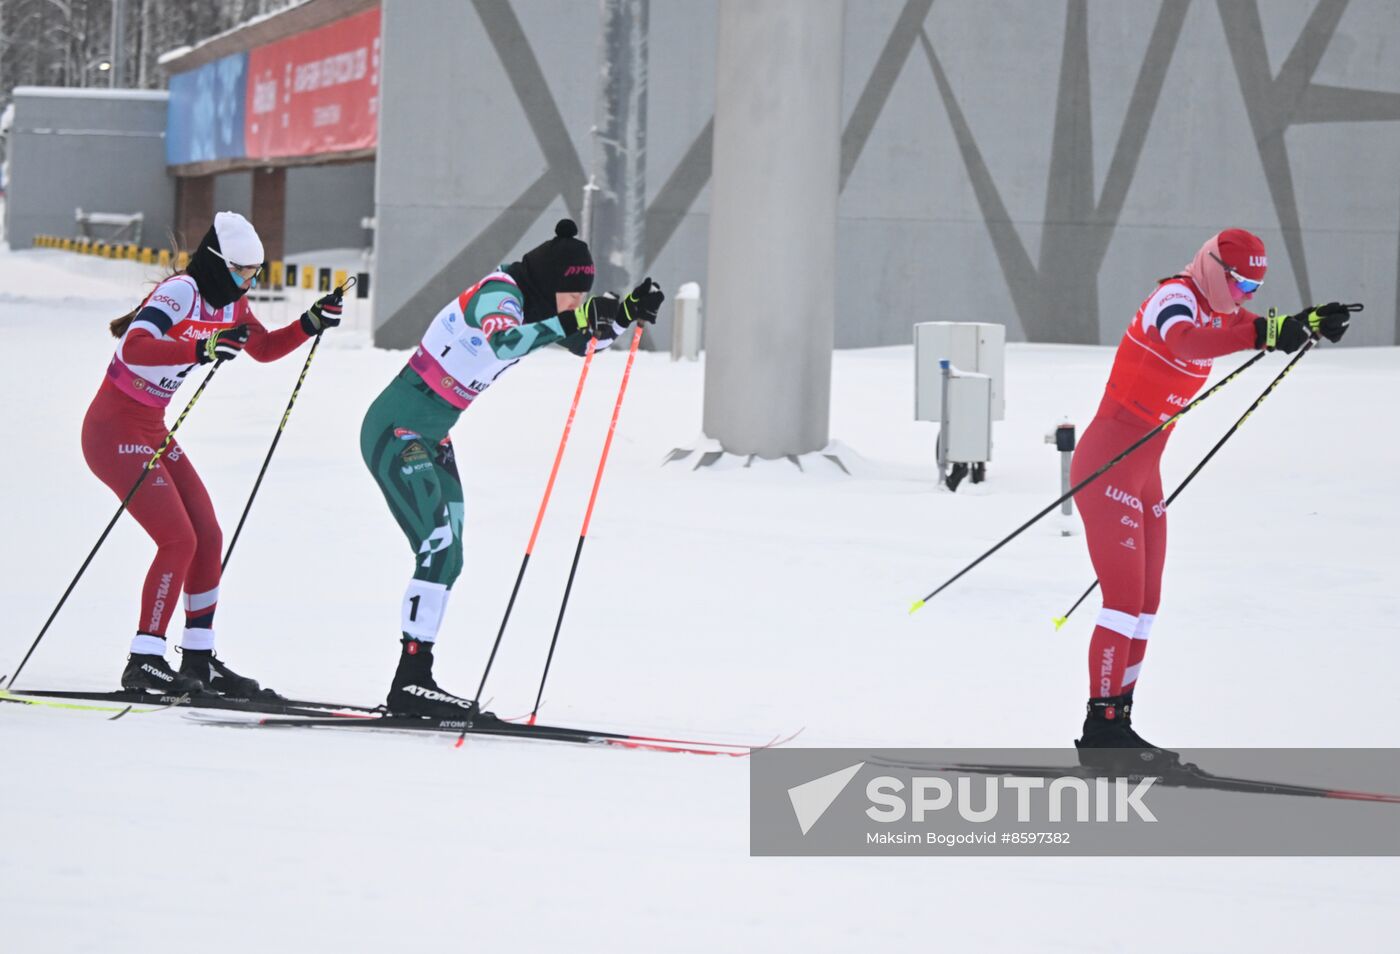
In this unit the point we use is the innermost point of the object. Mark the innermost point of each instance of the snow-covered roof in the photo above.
(180, 51)
(91, 92)
(174, 54)
(299, 17)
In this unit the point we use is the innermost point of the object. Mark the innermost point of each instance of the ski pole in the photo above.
(150, 465)
(1090, 479)
(301, 378)
(1061, 620)
(539, 518)
(587, 517)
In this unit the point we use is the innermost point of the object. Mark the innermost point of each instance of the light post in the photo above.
(101, 63)
(115, 74)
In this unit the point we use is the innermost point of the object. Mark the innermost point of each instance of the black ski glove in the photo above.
(642, 303)
(597, 315)
(223, 345)
(1330, 320)
(322, 315)
(1276, 332)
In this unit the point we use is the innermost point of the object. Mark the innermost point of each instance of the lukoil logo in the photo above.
(1122, 497)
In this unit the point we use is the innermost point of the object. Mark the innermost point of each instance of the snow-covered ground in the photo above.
(728, 601)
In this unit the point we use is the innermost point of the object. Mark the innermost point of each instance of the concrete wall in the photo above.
(1032, 162)
(99, 150)
(484, 125)
(324, 203)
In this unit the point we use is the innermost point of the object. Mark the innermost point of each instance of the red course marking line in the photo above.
(660, 744)
(1365, 796)
(682, 749)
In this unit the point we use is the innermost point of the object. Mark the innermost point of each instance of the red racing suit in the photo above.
(1162, 362)
(125, 424)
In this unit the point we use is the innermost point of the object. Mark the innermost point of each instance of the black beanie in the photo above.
(211, 274)
(563, 264)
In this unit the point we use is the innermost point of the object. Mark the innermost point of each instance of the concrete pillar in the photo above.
(270, 210)
(194, 209)
(617, 230)
(777, 151)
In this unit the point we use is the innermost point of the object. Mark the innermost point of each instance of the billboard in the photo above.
(316, 92)
(205, 116)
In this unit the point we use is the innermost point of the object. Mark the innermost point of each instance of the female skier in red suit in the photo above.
(1162, 362)
(194, 317)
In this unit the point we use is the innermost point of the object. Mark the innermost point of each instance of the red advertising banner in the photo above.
(316, 92)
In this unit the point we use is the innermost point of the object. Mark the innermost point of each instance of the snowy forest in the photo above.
(71, 42)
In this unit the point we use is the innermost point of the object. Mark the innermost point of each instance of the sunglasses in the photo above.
(1245, 285)
(250, 269)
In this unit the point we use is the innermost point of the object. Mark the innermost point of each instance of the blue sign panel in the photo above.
(206, 112)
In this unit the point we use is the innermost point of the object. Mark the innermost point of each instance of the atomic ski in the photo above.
(486, 724)
(116, 708)
(267, 703)
(1187, 775)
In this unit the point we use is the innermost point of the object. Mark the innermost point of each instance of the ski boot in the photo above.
(414, 692)
(203, 665)
(1110, 744)
(147, 672)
